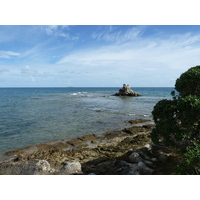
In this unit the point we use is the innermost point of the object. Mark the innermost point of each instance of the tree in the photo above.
(178, 120)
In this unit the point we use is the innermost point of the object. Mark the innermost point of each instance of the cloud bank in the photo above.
(98, 55)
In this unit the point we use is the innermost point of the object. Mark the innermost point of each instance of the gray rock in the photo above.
(122, 163)
(131, 170)
(148, 163)
(154, 160)
(144, 169)
(148, 147)
(35, 167)
(135, 158)
(42, 167)
(73, 167)
(144, 155)
(126, 91)
(92, 174)
(139, 156)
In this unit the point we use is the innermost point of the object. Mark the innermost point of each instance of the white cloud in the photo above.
(8, 54)
(153, 60)
(28, 71)
(119, 36)
(124, 56)
(60, 31)
(154, 52)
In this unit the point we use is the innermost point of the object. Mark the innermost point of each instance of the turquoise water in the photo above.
(35, 115)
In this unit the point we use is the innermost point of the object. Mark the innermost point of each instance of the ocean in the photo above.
(31, 116)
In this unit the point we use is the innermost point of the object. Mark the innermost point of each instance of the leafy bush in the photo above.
(178, 120)
(189, 82)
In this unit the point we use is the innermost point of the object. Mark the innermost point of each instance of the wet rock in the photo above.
(72, 167)
(135, 121)
(77, 143)
(87, 137)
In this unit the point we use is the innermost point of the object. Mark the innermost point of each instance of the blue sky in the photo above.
(96, 56)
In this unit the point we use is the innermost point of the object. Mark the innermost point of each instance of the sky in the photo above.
(96, 55)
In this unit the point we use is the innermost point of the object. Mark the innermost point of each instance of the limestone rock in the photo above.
(42, 167)
(72, 167)
(35, 167)
(126, 91)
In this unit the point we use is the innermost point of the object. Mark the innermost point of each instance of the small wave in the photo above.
(74, 94)
(78, 93)
(146, 115)
(96, 109)
(130, 114)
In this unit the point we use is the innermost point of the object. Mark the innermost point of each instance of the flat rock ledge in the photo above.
(125, 152)
(126, 91)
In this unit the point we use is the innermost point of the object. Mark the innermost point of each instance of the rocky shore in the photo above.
(125, 152)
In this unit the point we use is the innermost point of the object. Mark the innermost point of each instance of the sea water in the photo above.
(30, 116)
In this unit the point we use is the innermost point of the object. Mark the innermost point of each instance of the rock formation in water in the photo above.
(126, 91)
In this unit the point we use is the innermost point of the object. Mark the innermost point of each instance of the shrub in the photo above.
(178, 120)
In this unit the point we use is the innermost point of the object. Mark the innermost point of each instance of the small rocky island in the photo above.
(126, 91)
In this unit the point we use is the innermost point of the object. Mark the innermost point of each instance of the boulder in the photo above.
(144, 169)
(42, 167)
(126, 91)
(132, 169)
(72, 167)
(35, 167)
(135, 158)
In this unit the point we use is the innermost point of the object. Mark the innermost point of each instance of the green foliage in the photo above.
(178, 120)
(189, 82)
(191, 164)
(192, 157)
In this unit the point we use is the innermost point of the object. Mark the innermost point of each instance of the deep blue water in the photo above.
(35, 115)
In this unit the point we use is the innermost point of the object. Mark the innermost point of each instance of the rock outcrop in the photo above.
(126, 91)
(125, 152)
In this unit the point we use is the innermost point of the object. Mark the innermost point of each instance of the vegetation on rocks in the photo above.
(178, 121)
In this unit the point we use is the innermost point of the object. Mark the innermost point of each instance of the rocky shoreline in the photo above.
(125, 152)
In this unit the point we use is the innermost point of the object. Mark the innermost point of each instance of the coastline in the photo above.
(125, 152)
